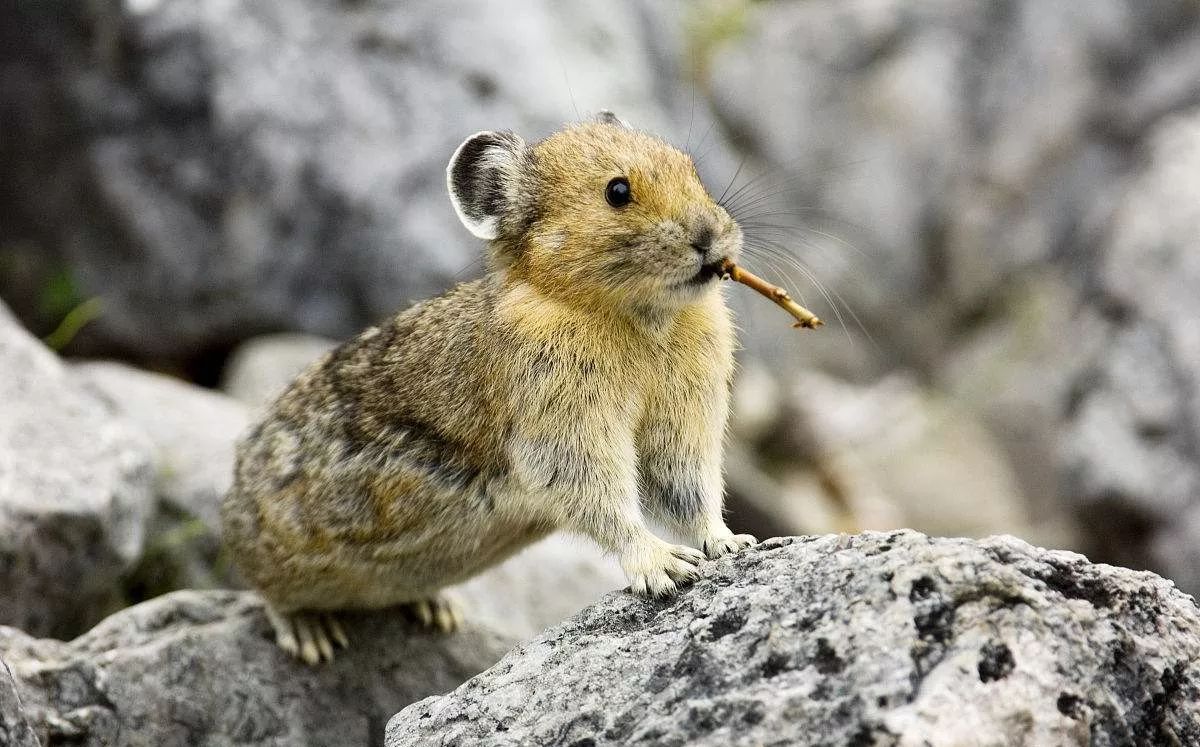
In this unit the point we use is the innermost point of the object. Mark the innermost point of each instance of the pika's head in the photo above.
(597, 210)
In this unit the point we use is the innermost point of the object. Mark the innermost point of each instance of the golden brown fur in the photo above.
(581, 385)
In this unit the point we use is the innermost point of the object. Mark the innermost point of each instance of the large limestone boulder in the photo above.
(280, 165)
(202, 668)
(1132, 445)
(926, 157)
(873, 639)
(75, 492)
(193, 432)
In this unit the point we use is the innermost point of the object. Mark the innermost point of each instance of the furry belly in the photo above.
(396, 572)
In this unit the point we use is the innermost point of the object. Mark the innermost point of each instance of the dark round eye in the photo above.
(618, 192)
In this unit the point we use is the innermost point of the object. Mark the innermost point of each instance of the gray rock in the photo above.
(1132, 443)
(15, 730)
(260, 368)
(193, 432)
(892, 639)
(923, 157)
(202, 668)
(75, 492)
(890, 455)
(542, 585)
(280, 165)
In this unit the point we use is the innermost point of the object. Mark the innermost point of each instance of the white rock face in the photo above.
(872, 639)
(75, 492)
(192, 432)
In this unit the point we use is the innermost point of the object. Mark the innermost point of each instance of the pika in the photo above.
(582, 385)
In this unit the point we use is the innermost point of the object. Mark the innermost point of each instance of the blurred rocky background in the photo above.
(995, 205)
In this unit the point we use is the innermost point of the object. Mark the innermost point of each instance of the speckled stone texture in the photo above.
(194, 668)
(872, 639)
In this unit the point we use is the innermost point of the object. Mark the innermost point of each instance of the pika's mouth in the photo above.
(707, 272)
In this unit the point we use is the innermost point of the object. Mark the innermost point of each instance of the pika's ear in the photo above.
(605, 116)
(482, 177)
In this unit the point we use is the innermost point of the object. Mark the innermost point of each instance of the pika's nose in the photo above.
(702, 239)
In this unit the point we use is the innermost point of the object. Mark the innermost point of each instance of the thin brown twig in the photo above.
(804, 317)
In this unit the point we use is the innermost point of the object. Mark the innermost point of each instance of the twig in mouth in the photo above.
(804, 317)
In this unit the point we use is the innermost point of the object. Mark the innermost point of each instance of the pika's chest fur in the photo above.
(581, 383)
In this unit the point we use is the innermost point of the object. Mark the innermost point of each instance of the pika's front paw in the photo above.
(715, 547)
(658, 570)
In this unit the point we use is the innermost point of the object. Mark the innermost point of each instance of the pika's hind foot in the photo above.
(308, 636)
(441, 613)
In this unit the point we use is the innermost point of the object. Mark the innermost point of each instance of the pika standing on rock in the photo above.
(581, 385)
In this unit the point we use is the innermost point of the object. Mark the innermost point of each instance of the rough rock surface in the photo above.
(201, 668)
(884, 639)
(959, 146)
(15, 730)
(193, 432)
(75, 491)
(279, 165)
(1133, 441)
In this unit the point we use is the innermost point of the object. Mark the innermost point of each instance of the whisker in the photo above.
(783, 254)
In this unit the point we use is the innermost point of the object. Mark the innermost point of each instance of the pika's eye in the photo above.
(618, 192)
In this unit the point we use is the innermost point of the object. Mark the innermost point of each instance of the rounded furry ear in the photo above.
(482, 178)
(605, 116)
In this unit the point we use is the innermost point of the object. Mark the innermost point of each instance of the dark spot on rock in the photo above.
(933, 623)
(1074, 583)
(871, 736)
(1159, 711)
(1068, 705)
(752, 716)
(690, 662)
(619, 732)
(585, 742)
(482, 85)
(776, 664)
(729, 621)
(827, 660)
(995, 662)
(659, 679)
(922, 588)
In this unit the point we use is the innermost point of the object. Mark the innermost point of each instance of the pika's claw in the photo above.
(658, 571)
(306, 636)
(336, 630)
(715, 547)
(440, 613)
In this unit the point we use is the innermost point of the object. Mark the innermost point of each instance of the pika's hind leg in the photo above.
(307, 635)
(440, 612)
